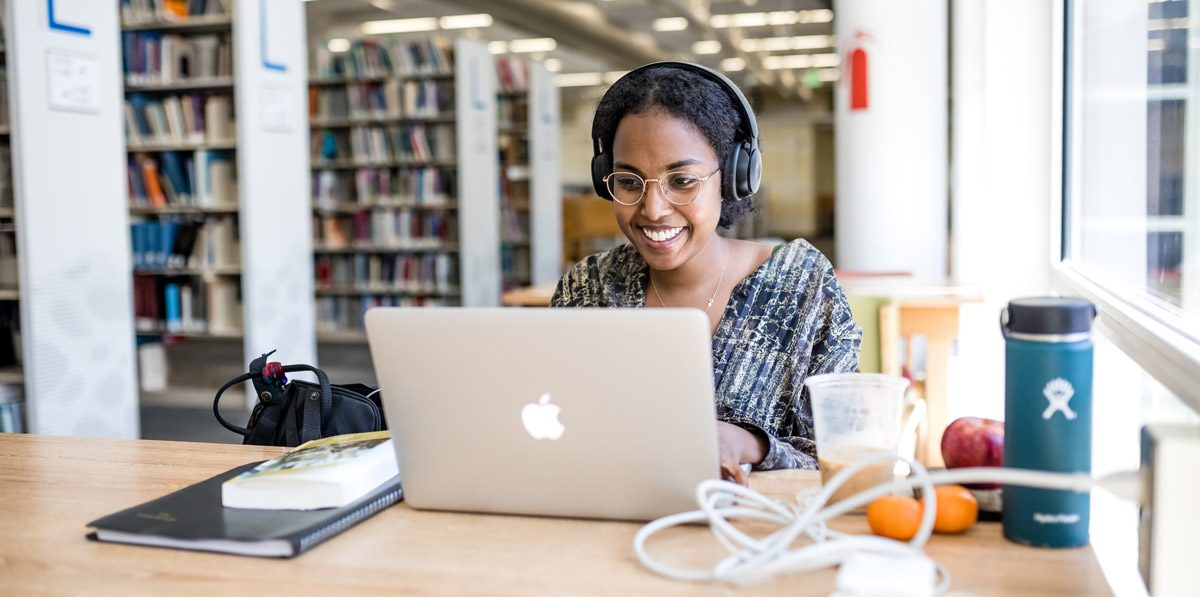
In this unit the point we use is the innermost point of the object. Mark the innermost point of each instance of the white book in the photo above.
(218, 120)
(324, 473)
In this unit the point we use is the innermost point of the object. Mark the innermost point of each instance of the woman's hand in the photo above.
(737, 445)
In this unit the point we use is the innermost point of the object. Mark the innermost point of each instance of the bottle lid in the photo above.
(1050, 315)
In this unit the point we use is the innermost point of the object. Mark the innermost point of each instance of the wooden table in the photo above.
(529, 296)
(50, 487)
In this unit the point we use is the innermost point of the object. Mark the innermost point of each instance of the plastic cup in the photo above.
(856, 415)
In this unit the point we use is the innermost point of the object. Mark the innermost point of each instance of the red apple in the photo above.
(974, 441)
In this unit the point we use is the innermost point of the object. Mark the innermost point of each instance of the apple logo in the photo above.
(541, 419)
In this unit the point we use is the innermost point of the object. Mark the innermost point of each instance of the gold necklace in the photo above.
(711, 297)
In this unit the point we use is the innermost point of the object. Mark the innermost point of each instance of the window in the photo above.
(1131, 177)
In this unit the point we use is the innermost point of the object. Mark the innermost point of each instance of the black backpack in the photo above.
(289, 413)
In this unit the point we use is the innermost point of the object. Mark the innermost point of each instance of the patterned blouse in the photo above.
(785, 321)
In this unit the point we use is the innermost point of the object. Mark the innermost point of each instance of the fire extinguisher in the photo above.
(856, 61)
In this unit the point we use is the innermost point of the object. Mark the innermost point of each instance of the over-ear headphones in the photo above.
(741, 169)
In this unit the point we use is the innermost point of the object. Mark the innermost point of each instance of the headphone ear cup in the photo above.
(601, 167)
(729, 174)
(752, 172)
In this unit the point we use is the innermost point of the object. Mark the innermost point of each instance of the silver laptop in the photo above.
(596, 413)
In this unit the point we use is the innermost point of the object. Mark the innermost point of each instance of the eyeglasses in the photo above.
(680, 187)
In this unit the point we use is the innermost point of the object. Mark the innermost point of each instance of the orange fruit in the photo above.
(895, 517)
(957, 509)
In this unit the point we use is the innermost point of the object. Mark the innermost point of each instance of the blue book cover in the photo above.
(174, 309)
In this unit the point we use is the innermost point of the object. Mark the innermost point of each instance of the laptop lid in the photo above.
(599, 413)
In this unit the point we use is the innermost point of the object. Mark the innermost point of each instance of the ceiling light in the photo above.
(779, 17)
(552, 64)
(730, 65)
(801, 61)
(711, 46)
(400, 25)
(497, 47)
(536, 44)
(578, 79)
(338, 45)
(670, 24)
(781, 44)
(474, 21)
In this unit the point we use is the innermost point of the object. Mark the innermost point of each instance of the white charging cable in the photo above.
(754, 560)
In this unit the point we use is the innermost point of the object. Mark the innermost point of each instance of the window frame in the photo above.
(1153, 335)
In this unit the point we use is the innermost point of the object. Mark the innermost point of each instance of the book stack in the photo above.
(384, 181)
(181, 169)
(278, 508)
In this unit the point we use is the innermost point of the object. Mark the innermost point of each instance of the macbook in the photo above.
(597, 413)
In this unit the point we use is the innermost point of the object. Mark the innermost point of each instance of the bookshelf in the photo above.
(12, 374)
(512, 118)
(395, 179)
(68, 214)
(181, 143)
(215, 131)
(531, 195)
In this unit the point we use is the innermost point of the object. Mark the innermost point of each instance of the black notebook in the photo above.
(193, 518)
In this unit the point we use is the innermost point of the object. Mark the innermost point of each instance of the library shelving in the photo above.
(181, 166)
(12, 377)
(389, 165)
(215, 121)
(512, 110)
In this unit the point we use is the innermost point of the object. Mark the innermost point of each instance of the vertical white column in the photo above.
(545, 190)
(891, 126)
(478, 174)
(273, 179)
(73, 243)
(1002, 155)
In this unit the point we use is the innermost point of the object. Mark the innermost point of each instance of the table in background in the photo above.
(50, 487)
(529, 296)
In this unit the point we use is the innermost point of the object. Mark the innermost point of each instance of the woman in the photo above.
(664, 135)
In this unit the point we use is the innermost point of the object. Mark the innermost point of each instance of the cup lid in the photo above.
(1050, 315)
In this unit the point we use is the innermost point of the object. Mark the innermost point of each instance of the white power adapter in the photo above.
(869, 574)
(1169, 523)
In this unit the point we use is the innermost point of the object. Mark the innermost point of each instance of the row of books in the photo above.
(3, 96)
(386, 99)
(514, 226)
(512, 112)
(384, 186)
(155, 58)
(512, 74)
(187, 305)
(383, 145)
(385, 57)
(168, 243)
(200, 178)
(6, 182)
(152, 11)
(514, 267)
(192, 118)
(345, 313)
(397, 228)
(428, 273)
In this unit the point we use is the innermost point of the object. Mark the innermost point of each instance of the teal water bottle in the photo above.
(1047, 415)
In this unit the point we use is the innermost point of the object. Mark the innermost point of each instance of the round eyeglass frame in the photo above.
(661, 186)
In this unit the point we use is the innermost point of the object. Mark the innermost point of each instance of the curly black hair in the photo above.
(683, 94)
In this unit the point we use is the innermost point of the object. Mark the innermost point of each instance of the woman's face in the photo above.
(650, 145)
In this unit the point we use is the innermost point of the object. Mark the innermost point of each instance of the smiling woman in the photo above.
(676, 151)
